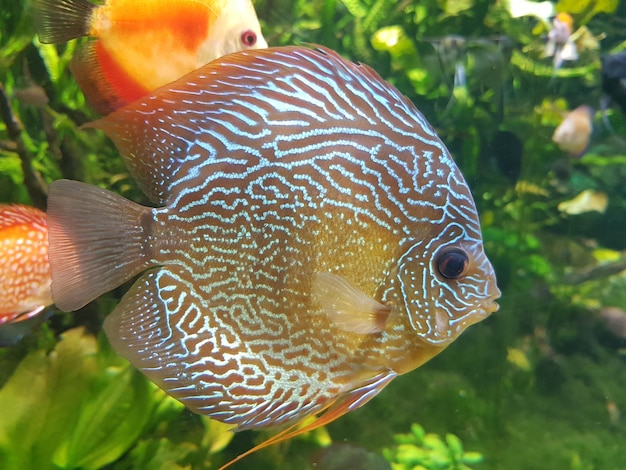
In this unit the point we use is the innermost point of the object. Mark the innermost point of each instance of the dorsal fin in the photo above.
(186, 118)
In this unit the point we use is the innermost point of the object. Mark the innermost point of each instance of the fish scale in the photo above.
(295, 263)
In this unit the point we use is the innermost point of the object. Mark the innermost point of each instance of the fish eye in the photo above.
(248, 38)
(452, 263)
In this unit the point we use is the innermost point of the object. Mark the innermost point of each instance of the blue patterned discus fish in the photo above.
(314, 238)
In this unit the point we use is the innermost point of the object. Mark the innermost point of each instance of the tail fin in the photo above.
(59, 21)
(97, 241)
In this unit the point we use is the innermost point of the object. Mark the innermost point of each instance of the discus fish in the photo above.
(574, 132)
(24, 269)
(142, 44)
(560, 45)
(314, 239)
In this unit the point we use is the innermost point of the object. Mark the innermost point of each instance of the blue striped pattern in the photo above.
(272, 166)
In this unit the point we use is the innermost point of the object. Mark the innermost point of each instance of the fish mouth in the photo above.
(492, 306)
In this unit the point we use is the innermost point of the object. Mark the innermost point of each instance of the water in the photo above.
(540, 384)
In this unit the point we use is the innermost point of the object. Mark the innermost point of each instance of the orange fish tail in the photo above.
(105, 84)
(24, 269)
(58, 21)
(96, 240)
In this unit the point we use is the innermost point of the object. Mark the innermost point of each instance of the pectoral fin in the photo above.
(348, 307)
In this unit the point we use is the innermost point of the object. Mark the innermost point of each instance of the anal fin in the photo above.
(349, 401)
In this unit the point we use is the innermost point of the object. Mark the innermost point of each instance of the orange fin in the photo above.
(334, 410)
(96, 241)
(105, 84)
(348, 307)
(58, 21)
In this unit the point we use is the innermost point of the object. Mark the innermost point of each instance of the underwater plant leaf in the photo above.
(34, 424)
(519, 359)
(158, 454)
(592, 6)
(472, 458)
(50, 57)
(456, 7)
(376, 14)
(216, 435)
(394, 40)
(545, 69)
(113, 416)
(455, 445)
(81, 410)
(418, 450)
(18, 35)
(14, 404)
(355, 7)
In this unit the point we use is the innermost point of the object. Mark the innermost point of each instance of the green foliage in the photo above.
(88, 424)
(86, 407)
(420, 451)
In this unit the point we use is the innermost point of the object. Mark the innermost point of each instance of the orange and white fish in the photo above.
(24, 269)
(560, 44)
(574, 132)
(141, 45)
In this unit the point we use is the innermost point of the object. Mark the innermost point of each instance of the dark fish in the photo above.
(314, 239)
(33, 95)
(614, 81)
(508, 151)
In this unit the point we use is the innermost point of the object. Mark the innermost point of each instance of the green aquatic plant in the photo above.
(418, 450)
(82, 406)
(88, 424)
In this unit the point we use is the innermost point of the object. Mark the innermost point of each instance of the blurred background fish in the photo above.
(24, 269)
(314, 239)
(488, 59)
(140, 45)
(614, 78)
(574, 132)
(560, 45)
(613, 75)
(507, 151)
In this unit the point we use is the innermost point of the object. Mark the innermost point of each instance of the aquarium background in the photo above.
(541, 384)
